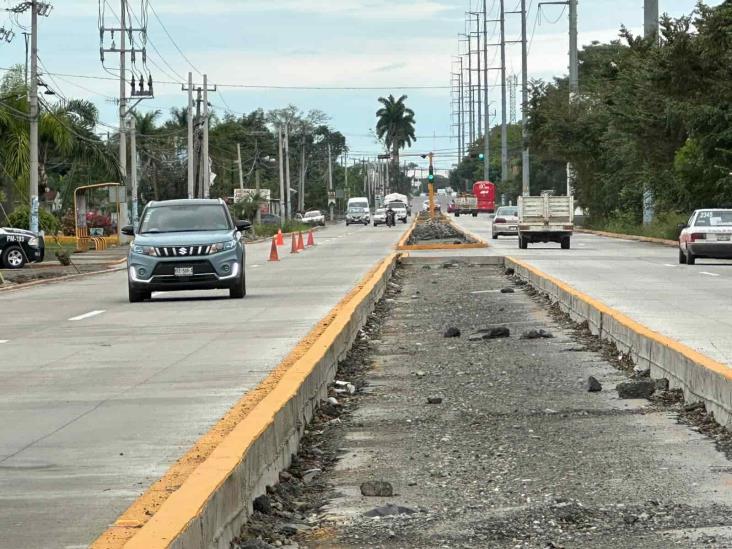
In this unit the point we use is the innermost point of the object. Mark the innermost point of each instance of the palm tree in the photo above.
(396, 128)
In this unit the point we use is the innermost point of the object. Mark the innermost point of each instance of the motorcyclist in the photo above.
(390, 217)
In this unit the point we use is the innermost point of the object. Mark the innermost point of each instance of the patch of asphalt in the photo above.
(513, 451)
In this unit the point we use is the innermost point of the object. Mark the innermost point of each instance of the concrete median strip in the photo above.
(205, 497)
(700, 377)
(404, 245)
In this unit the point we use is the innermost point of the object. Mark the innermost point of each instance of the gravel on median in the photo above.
(491, 442)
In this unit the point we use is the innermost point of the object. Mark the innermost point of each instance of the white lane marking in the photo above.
(669, 265)
(86, 315)
(708, 274)
(155, 294)
(255, 266)
(4, 341)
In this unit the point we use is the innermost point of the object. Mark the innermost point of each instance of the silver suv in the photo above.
(186, 245)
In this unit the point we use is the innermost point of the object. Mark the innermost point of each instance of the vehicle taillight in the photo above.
(569, 227)
(697, 236)
(499, 220)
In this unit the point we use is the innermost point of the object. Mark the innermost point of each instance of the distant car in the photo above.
(19, 246)
(505, 222)
(186, 245)
(357, 215)
(441, 192)
(708, 234)
(314, 217)
(379, 217)
(271, 219)
(426, 206)
(451, 207)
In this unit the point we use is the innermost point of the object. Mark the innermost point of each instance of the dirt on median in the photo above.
(489, 440)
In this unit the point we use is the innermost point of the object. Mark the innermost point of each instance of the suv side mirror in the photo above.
(243, 225)
(129, 230)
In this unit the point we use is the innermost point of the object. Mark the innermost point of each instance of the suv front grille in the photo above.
(182, 251)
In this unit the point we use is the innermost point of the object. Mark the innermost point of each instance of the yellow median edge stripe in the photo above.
(691, 354)
(163, 512)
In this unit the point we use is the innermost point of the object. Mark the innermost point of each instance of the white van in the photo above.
(360, 202)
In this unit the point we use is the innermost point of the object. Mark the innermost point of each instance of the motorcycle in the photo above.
(390, 218)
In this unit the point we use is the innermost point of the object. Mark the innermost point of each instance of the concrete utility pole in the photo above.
(573, 80)
(191, 156)
(133, 170)
(241, 171)
(486, 104)
(288, 197)
(504, 128)
(330, 184)
(461, 119)
(122, 94)
(282, 175)
(301, 185)
(471, 112)
(206, 158)
(33, 185)
(650, 20)
(478, 50)
(525, 158)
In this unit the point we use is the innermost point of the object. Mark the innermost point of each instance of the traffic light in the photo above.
(479, 156)
(431, 176)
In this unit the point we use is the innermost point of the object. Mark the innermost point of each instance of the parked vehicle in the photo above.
(505, 222)
(545, 218)
(708, 234)
(465, 204)
(19, 246)
(270, 219)
(400, 210)
(314, 217)
(190, 244)
(379, 217)
(357, 215)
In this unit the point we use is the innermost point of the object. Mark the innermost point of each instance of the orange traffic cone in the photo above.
(300, 243)
(273, 255)
(280, 238)
(294, 250)
(311, 239)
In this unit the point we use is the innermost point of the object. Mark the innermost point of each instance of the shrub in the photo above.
(20, 218)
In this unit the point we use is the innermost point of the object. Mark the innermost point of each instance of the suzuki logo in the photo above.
(182, 251)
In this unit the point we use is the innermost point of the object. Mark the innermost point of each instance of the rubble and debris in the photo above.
(639, 388)
(593, 385)
(377, 488)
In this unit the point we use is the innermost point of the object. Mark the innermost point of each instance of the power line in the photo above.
(183, 55)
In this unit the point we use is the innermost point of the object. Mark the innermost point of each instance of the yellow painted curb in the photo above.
(640, 329)
(165, 510)
(650, 240)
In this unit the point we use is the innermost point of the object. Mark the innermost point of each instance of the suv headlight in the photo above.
(144, 250)
(222, 246)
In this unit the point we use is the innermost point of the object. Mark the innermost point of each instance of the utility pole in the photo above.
(282, 175)
(504, 128)
(525, 158)
(241, 171)
(122, 96)
(301, 186)
(288, 198)
(191, 156)
(206, 158)
(33, 190)
(479, 97)
(573, 80)
(650, 20)
(133, 170)
(331, 201)
(471, 116)
(486, 104)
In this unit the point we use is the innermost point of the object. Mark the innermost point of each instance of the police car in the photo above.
(18, 247)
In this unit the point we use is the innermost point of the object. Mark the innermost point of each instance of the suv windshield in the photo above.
(184, 218)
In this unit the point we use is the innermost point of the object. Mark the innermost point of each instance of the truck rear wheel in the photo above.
(457, 213)
(475, 214)
(523, 243)
(565, 243)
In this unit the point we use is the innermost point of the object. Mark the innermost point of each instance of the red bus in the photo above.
(485, 193)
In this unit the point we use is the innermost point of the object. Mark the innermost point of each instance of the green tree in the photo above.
(395, 127)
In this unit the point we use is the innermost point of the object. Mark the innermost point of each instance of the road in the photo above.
(644, 281)
(100, 396)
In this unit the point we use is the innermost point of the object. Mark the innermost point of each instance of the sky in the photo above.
(381, 44)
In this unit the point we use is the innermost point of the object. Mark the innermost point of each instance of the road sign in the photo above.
(244, 194)
(331, 197)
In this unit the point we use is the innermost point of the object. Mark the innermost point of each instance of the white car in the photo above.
(505, 222)
(707, 235)
(379, 217)
(314, 217)
(426, 206)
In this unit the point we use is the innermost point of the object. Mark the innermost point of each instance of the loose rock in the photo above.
(491, 333)
(377, 488)
(662, 384)
(434, 400)
(510, 271)
(262, 504)
(641, 388)
(593, 386)
(537, 334)
(507, 291)
(252, 544)
(390, 509)
(452, 332)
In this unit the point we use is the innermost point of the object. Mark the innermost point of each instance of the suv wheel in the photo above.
(239, 289)
(13, 257)
(137, 296)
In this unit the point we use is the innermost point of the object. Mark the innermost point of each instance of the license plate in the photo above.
(184, 271)
(723, 238)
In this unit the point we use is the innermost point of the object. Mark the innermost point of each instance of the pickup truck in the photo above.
(545, 218)
(465, 204)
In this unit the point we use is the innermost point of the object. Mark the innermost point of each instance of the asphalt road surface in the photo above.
(690, 304)
(100, 396)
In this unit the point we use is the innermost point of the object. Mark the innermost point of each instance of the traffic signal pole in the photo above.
(431, 187)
